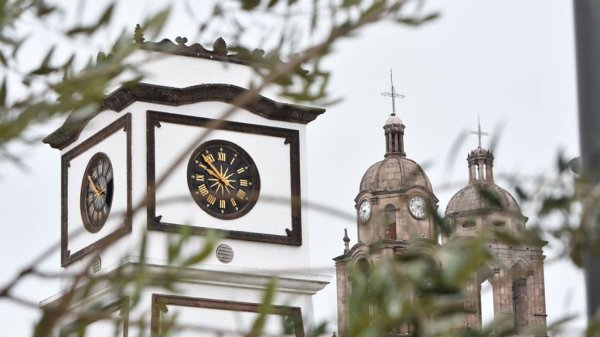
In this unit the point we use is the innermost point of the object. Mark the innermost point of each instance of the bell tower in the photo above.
(394, 205)
(516, 272)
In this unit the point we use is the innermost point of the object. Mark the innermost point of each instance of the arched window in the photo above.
(519, 289)
(390, 222)
(363, 265)
(486, 303)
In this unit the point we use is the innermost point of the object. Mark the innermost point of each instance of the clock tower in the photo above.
(162, 168)
(394, 206)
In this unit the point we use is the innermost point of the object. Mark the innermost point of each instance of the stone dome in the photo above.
(482, 197)
(394, 120)
(394, 173)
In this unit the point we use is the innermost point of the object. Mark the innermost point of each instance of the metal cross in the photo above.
(479, 133)
(392, 94)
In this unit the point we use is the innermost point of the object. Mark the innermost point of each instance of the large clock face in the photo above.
(223, 179)
(96, 192)
(364, 211)
(417, 207)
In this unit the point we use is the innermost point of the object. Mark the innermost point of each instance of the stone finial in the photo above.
(346, 241)
(181, 40)
(220, 47)
(333, 334)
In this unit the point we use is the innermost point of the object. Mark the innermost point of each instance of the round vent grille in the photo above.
(224, 253)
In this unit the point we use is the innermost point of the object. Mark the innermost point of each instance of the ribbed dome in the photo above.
(394, 173)
(394, 120)
(482, 196)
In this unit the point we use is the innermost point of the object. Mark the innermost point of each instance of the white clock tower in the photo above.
(189, 153)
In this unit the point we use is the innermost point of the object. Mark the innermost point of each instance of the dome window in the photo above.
(499, 223)
(469, 224)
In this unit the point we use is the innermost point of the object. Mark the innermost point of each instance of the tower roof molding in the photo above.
(220, 52)
(151, 93)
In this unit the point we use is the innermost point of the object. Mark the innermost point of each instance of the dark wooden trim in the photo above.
(121, 124)
(151, 93)
(160, 300)
(121, 305)
(291, 236)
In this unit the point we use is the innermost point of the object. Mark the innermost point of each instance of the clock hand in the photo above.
(226, 179)
(219, 176)
(94, 188)
(210, 171)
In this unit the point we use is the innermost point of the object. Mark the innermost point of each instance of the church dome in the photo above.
(394, 120)
(394, 173)
(481, 194)
(482, 197)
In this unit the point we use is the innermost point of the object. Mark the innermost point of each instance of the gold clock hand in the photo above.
(214, 169)
(94, 188)
(210, 171)
(226, 178)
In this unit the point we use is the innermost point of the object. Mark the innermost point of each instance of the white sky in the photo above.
(512, 61)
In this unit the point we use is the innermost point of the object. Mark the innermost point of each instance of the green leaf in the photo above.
(154, 25)
(3, 92)
(106, 16)
(174, 248)
(87, 30)
(264, 309)
(202, 254)
(521, 193)
(551, 204)
(250, 4)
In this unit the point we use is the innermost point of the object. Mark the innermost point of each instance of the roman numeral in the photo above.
(211, 199)
(241, 170)
(209, 158)
(222, 203)
(243, 182)
(222, 156)
(241, 194)
(232, 200)
(203, 190)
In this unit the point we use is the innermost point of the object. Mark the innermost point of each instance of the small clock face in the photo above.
(364, 211)
(223, 179)
(417, 207)
(96, 192)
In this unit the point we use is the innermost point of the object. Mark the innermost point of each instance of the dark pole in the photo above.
(587, 39)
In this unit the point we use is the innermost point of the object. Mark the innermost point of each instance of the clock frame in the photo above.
(71, 252)
(289, 232)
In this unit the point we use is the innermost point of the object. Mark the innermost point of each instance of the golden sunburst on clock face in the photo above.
(223, 179)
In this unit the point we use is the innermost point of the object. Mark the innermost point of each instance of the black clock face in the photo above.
(223, 179)
(96, 192)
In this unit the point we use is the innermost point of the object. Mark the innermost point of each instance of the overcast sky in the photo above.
(511, 61)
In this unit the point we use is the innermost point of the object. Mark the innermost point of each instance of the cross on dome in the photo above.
(393, 94)
(479, 133)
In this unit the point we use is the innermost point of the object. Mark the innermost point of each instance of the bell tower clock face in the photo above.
(417, 207)
(223, 179)
(364, 211)
(96, 192)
